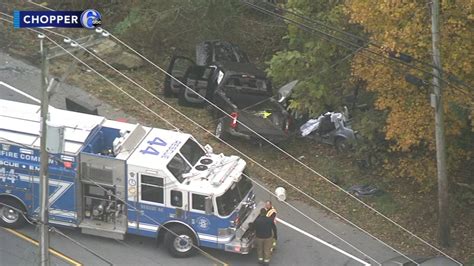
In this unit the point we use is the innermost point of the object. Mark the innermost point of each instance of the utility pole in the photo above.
(437, 103)
(44, 158)
(47, 86)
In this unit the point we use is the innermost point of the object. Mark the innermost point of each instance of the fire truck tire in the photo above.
(10, 217)
(182, 243)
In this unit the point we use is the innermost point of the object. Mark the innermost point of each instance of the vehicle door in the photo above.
(283, 98)
(151, 201)
(178, 67)
(198, 79)
(179, 202)
(285, 91)
(220, 96)
(205, 223)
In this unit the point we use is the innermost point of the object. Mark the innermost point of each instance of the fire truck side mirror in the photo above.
(208, 205)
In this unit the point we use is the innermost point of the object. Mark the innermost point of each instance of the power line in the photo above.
(56, 230)
(205, 99)
(299, 190)
(202, 251)
(216, 137)
(395, 69)
(33, 2)
(346, 33)
(135, 249)
(294, 208)
(310, 218)
(36, 222)
(235, 149)
(279, 177)
(341, 42)
(250, 157)
(124, 201)
(313, 219)
(123, 91)
(319, 73)
(291, 156)
(401, 57)
(52, 228)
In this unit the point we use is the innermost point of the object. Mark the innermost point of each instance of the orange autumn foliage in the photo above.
(406, 26)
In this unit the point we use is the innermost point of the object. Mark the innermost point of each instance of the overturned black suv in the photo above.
(236, 86)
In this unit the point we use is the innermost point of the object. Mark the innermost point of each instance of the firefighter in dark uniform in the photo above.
(271, 213)
(263, 236)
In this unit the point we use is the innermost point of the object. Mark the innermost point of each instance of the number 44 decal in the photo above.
(155, 142)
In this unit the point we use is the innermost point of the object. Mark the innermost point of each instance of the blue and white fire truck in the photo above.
(116, 178)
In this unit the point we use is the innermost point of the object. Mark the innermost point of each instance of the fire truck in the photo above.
(113, 178)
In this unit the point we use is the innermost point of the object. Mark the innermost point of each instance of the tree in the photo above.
(164, 27)
(322, 68)
(405, 26)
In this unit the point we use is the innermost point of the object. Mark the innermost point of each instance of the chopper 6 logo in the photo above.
(91, 19)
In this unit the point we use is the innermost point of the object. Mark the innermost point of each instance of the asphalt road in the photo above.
(294, 248)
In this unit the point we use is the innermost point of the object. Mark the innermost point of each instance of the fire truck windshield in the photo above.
(192, 151)
(232, 197)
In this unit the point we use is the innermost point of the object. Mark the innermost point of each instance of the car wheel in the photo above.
(221, 132)
(181, 243)
(11, 214)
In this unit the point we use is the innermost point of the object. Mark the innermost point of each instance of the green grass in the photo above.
(386, 204)
(470, 261)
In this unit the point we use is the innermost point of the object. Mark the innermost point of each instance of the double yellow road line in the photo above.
(51, 251)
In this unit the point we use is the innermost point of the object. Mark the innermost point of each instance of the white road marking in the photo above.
(20, 92)
(321, 241)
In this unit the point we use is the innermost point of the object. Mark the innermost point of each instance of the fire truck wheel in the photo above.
(181, 243)
(10, 215)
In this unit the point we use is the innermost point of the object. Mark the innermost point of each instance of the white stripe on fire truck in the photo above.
(154, 228)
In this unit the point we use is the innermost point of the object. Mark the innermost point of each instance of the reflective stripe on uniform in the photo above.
(271, 211)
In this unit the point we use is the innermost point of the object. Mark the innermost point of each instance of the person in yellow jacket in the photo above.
(271, 213)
